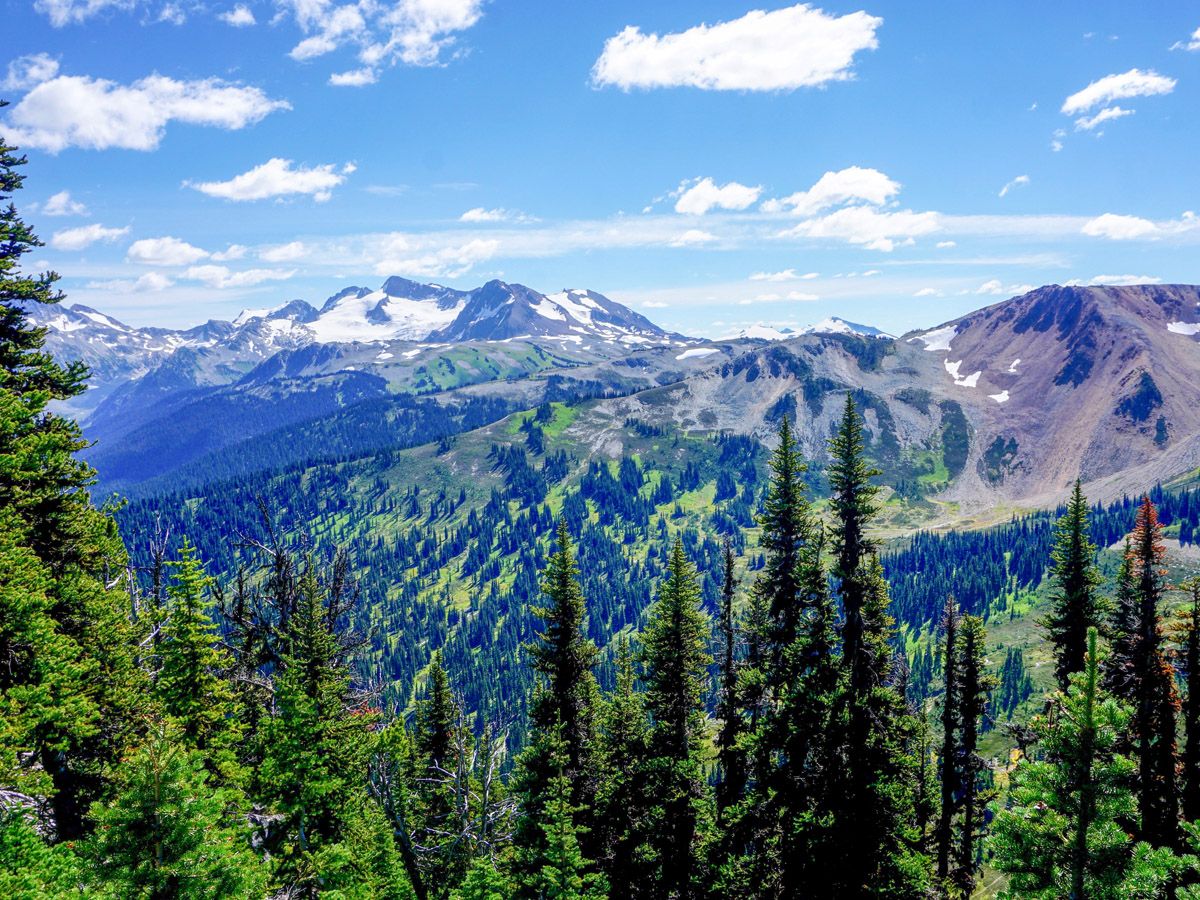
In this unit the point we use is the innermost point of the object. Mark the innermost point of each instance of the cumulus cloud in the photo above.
(148, 283)
(946, 245)
(785, 49)
(482, 214)
(995, 287)
(239, 17)
(1119, 228)
(233, 251)
(850, 185)
(1108, 114)
(447, 261)
(698, 196)
(1019, 181)
(277, 178)
(61, 204)
(283, 252)
(83, 237)
(26, 72)
(868, 226)
(928, 292)
(221, 277)
(164, 251)
(692, 237)
(412, 32)
(95, 113)
(354, 77)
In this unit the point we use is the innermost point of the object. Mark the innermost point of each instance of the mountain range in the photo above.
(1004, 406)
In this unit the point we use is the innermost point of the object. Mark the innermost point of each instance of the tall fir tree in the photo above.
(190, 682)
(949, 759)
(875, 850)
(975, 685)
(563, 710)
(731, 761)
(44, 498)
(1187, 634)
(676, 660)
(1157, 701)
(1061, 832)
(622, 804)
(1119, 677)
(1075, 606)
(170, 833)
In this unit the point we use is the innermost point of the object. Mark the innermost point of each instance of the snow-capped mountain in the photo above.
(838, 325)
(831, 325)
(399, 311)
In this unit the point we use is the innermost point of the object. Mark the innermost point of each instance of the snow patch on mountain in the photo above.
(938, 339)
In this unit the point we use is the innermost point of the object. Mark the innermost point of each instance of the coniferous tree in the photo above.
(622, 815)
(876, 851)
(318, 745)
(731, 761)
(170, 833)
(44, 499)
(190, 682)
(562, 711)
(1187, 633)
(1119, 677)
(974, 689)
(1061, 832)
(676, 660)
(1157, 701)
(1075, 606)
(949, 760)
(444, 860)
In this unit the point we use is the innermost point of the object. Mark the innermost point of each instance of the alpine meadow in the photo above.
(338, 562)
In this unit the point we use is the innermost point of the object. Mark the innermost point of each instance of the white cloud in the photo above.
(1119, 228)
(233, 251)
(1134, 83)
(1108, 114)
(869, 227)
(692, 237)
(61, 204)
(26, 72)
(84, 236)
(164, 251)
(94, 113)
(172, 13)
(655, 304)
(482, 214)
(413, 32)
(784, 49)
(447, 261)
(946, 245)
(283, 252)
(1192, 44)
(698, 196)
(221, 277)
(1019, 181)
(995, 287)
(354, 77)
(276, 178)
(785, 275)
(65, 12)
(239, 17)
(850, 185)
(928, 292)
(148, 283)
(1116, 280)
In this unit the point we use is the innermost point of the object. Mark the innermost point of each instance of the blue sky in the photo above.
(189, 159)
